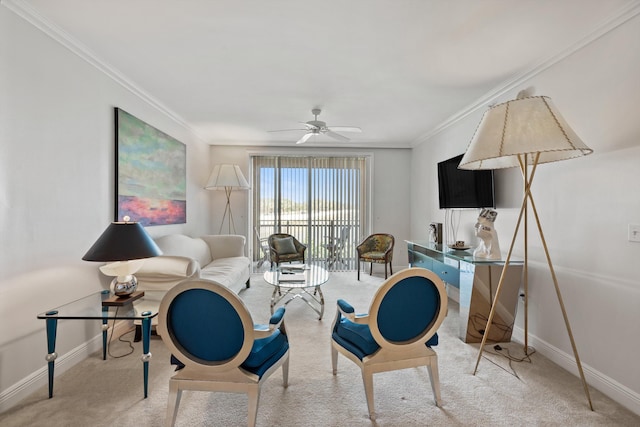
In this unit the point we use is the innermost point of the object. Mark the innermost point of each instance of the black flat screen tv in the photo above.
(464, 189)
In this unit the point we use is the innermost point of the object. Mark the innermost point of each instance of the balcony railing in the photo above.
(317, 236)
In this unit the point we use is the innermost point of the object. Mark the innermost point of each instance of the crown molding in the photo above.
(623, 15)
(35, 18)
(31, 15)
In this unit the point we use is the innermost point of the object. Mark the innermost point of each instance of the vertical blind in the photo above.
(313, 199)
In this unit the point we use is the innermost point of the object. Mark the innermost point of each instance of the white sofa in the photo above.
(220, 258)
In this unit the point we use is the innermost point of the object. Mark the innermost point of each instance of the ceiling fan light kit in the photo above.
(318, 127)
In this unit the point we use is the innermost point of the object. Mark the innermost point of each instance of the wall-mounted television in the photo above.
(460, 189)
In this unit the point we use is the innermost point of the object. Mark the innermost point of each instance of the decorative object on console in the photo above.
(459, 245)
(227, 177)
(435, 233)
(489, 246)
(125, 244)
(151, 173)
(525, 132)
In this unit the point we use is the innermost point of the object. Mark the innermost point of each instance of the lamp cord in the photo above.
(131, 349)
(507, 355)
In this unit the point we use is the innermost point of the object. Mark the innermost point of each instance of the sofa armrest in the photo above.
(225, 245)
(165, 271)
(168, 265)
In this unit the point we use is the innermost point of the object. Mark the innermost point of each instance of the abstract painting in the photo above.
(151, 173)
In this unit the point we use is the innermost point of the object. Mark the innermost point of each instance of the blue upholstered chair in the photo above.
(398, 332)
(209, 330)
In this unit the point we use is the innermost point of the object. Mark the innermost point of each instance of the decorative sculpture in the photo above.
(489, 246)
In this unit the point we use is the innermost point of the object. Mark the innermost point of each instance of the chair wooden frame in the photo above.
(393, 356)
(226, 376)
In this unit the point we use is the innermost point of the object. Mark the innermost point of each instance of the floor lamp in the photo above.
(524, 133)
(227, 178)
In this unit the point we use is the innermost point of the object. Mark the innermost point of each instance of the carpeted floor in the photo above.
(109, 393)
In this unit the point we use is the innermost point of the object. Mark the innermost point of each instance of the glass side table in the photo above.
(104, 306)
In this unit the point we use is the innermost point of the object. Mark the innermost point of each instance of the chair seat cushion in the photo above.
(358, 340)
(357, 335)
(264, 353)
(284, 246)
(264, 349)
(289, 257)
(373, 255)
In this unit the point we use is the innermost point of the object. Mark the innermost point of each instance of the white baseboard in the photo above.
(40, 378)
(595, 379)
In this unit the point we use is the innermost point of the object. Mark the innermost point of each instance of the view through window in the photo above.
(322, 201)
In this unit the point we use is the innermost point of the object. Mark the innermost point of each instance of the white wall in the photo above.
(390, 182)
(585, 206)
(56, 197)
(57, 191)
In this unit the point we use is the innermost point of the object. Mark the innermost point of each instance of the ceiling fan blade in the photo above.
(285, 130)
(310, 126)
(337, 136)
(304, 138)
(345, 129)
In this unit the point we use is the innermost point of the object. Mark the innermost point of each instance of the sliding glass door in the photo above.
(322, 201)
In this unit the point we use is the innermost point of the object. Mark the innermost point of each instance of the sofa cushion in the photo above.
(230, 272)
(284, 246)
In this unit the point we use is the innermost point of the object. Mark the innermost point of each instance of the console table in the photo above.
(477, 280)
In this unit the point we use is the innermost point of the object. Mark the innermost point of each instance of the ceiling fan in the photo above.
(317, 127)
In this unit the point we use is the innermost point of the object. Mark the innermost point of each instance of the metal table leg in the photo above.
(105, 328)
(52, 326)
(146, 355)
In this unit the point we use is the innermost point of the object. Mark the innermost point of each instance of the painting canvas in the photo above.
(150, 173)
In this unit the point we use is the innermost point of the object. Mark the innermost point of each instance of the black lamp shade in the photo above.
(122, 241)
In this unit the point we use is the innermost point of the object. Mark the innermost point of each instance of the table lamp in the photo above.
(125, 245)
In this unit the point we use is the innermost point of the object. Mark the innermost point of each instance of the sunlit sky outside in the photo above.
(295, 182)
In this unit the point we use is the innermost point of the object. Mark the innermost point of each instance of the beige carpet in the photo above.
(109, 393)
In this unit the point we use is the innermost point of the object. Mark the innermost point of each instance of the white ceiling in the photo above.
(233, 69)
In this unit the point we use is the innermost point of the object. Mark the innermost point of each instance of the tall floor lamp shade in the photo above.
(524, 133)
(227, 177)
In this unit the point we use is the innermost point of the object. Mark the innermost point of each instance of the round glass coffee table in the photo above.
(298, 281)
